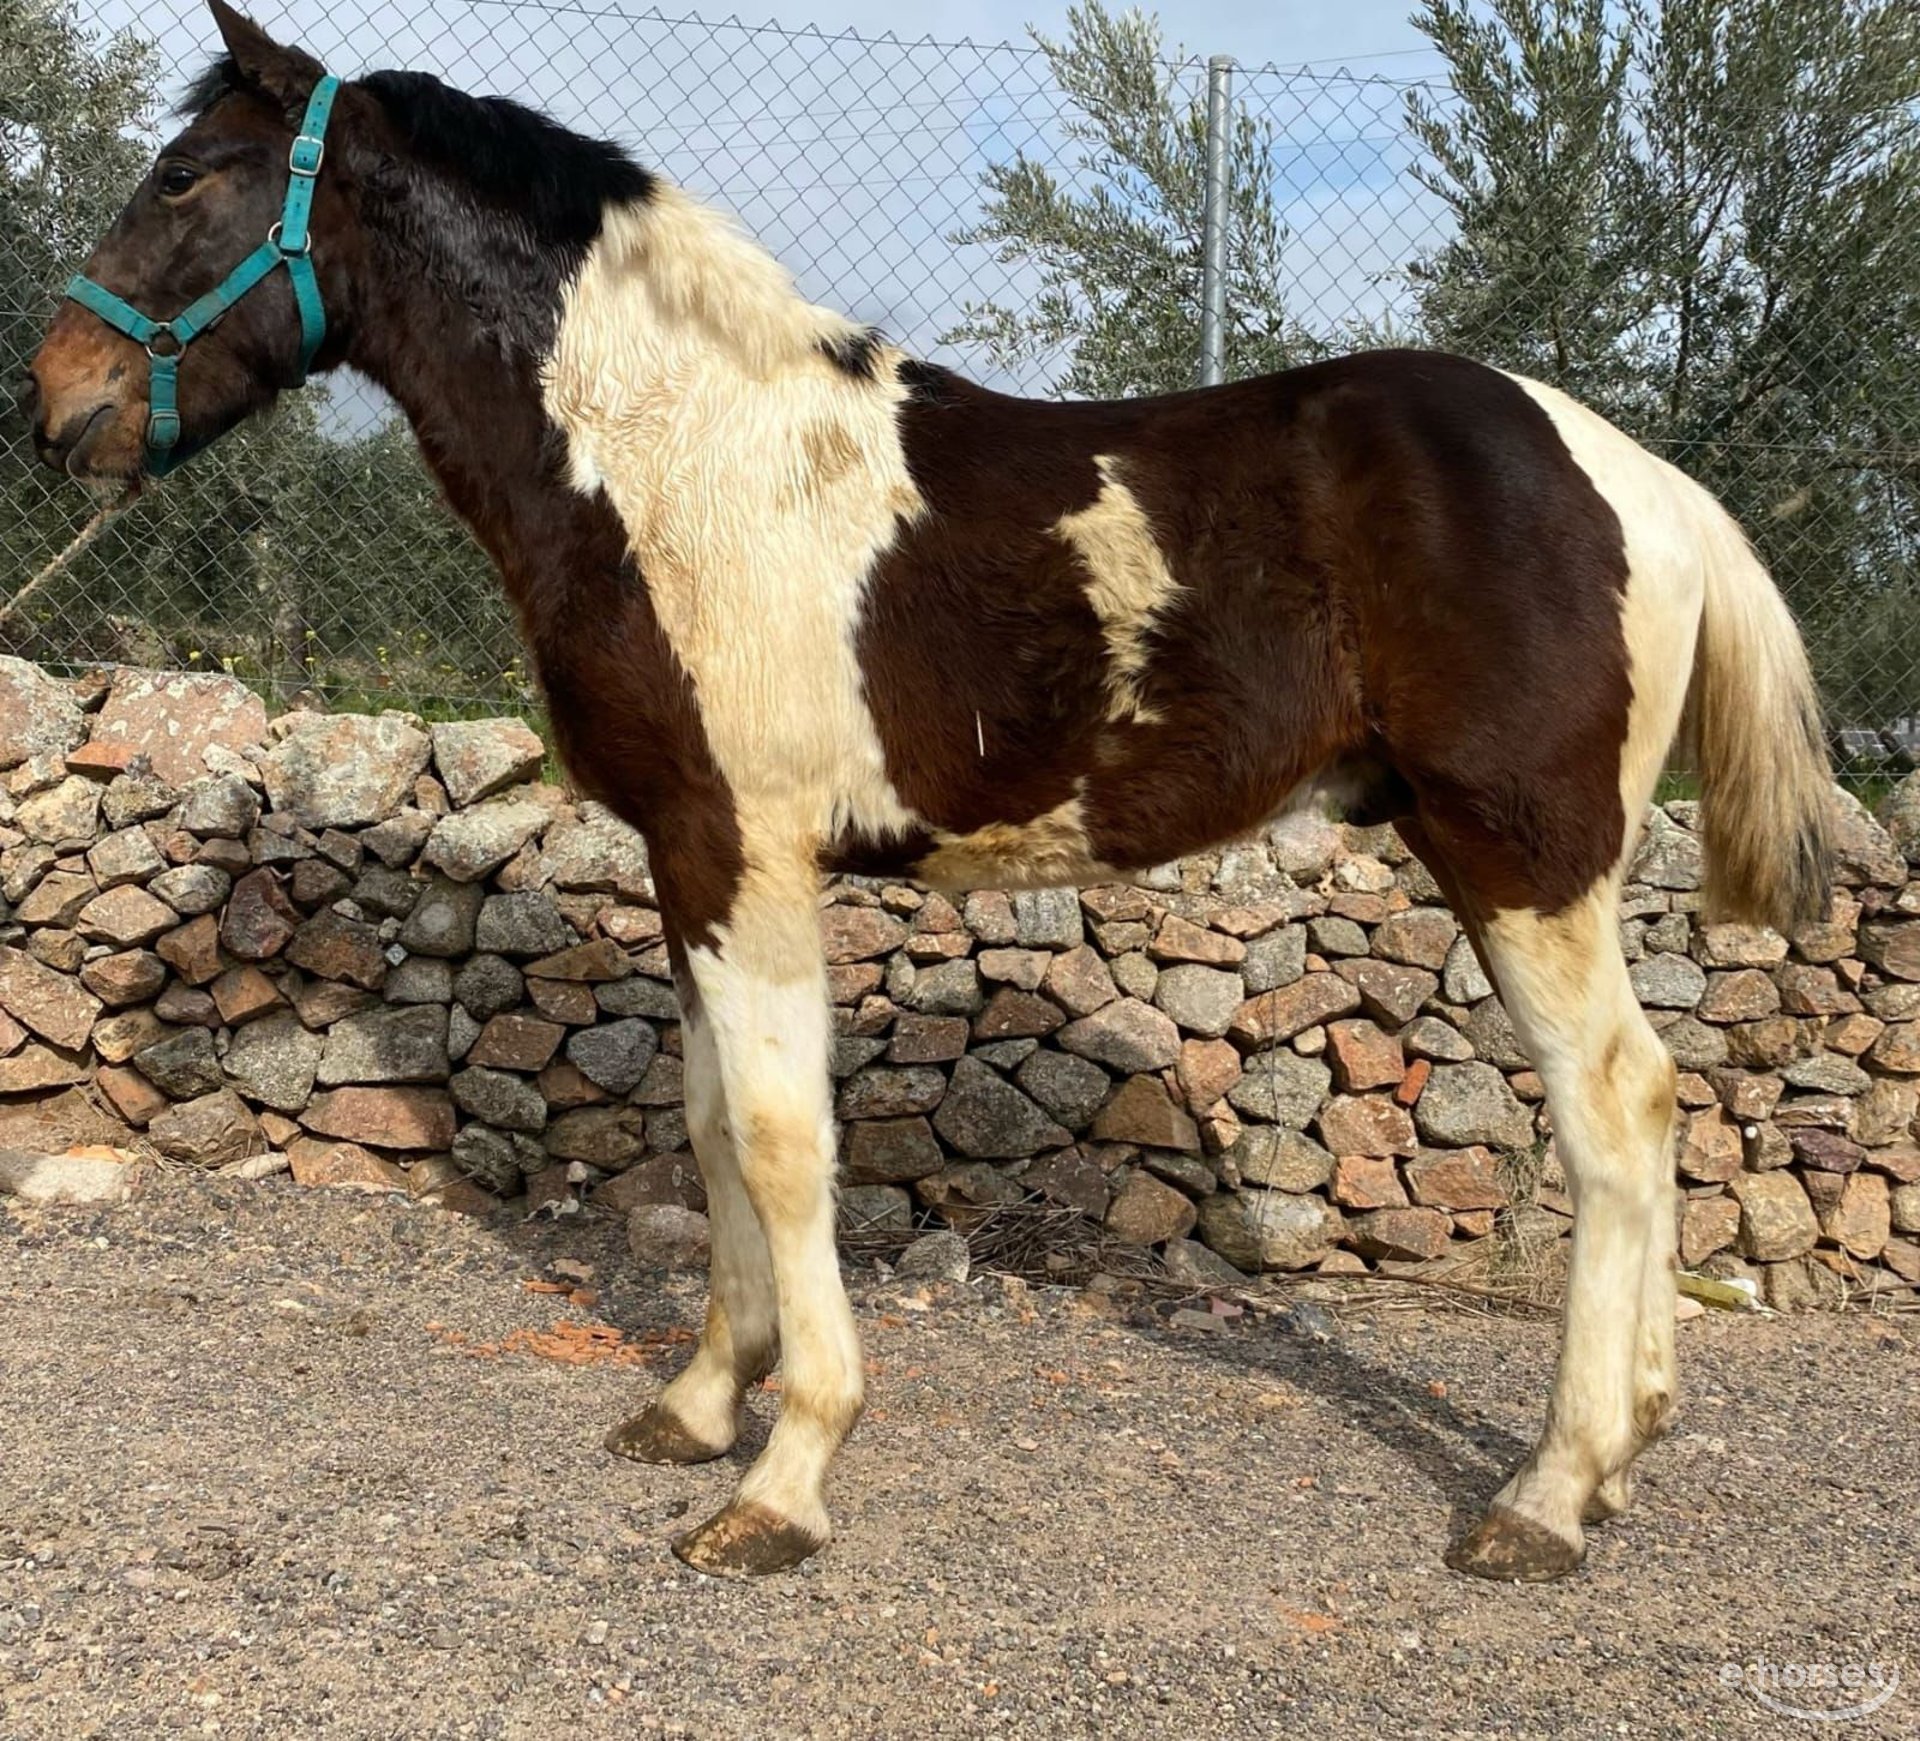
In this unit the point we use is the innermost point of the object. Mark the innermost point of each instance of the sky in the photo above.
(857, 163)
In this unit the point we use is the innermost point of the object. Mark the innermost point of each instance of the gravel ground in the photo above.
(254, 1481)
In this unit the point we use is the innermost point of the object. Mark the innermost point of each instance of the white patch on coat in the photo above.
(1128, 585)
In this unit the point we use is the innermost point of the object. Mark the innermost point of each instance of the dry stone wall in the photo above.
(392, 954)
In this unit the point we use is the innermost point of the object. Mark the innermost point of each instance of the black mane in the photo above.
(556, 182)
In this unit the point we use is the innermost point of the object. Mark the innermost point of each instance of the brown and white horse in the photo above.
(800, 602)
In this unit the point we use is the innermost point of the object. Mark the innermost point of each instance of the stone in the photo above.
(1884, 1114)
(948, 988)
(420, 979)
(130, 977)
(407, 1043)
(69, 811)
(487, 986)
(1745, 995)
(343, 770)
(1287, 1160)
(599, 962)
(985, 1117)
(58, 899)
(1769, 1043)
(1332, 935)
(1141, 1111)
(1072, 1178)
(1710, 1146)
(507, 1101)
(1366, 1124)
(1025, 968)
(35, 1066)
(1669, 856)
(1776, 1220)
(130, 1094)
(860, 933)
(174, 718)
(1898, 1049)
(516, 1041)
(273, 1061)
(1269, 1230)
(1667, 982)
(333, 947)
(1411, 1234)
(1828, 1073)
(477, 758)
(395, 842)
(1862, 1221)
(935, 1257)
(882, 1092)
(219, 807)
(1281, 1088)
(613, 1055)
(595, 852)
(1304, 845)
(1014, 1014)
(1457, 1179)
(467, 844)
(919, 1039)
(55, 1007)
(192, 889)
(963, 1193)
(666, 1236)
(1367, 1182)
(384, 1117)
(117, 1037)
(259, 920)
(1134, 976)
(1128, 1036)
(1467, 1104)
(343, 1167)
(182, 1065)
(1079, 981)
(1420, 937)
(492, 1158)
(39, 715)
(128, 855)
(1189, 1264)
(1862, 851)
(1180, 940)
(1147, 1212)
(1279, 1015)
(188, 1005)
(124, 918)
(385, 893)
(1206, 1071)
(1903, 1203)
(1707, 1225)
(1431, 1038)
(890, 1151)
(1275, 959)
(443, 920)
(638, 996)
(210, 1131)
(874, 1209)
(1826, 1151)
(523, 924)
(1202, 1000)
(1692, 1044)
(1363, 1057)
(1047, 919)
(243, 994)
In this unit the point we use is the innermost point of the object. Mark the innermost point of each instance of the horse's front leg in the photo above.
(759, 980)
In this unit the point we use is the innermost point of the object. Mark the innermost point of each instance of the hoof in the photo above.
(1610, 1498)
(655, 1435)
(1513, 1548)
(746, 1541)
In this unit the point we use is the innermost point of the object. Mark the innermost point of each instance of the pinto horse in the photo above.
(801, 603)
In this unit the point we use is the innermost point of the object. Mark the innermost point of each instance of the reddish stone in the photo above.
(1402, 1233)
(1363, 1057)
(1419, 937)
(1457, 1179)
(1279, 1015)
(131, 1094)
(338, 948)
(174, 717)
(631, 927)
(193, 950)
(565, 1001)
(1149, 1212)
(259, 918)
(36, 1066)
(101, 761)
(1710, 1146)
(1367, 1182)
(1142, 1112)
(1180, 939)
(1862, 1220)
(920, 1039)
(130, 977)
(1900, 1161)
(847, 982)
(594, 963)
(126, 917)
(859, 933)
(1078, 980)
(54, 1006)
(387, 1118)
(243, 993)
(1012, 1014)
(1389, 993)
(562, 1085)
(1206, 1070)
(516, 1041)
(1368, 1124)
(344, 1166)
(1827, 1151)
(1707, 1225)
(1408, 1093)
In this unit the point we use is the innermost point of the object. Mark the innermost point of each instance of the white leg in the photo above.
(697, 1416)
(1610, 1084)
(762, 991)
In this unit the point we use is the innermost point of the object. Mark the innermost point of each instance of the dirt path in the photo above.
(253, 1484)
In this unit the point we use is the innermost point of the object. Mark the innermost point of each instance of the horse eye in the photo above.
(178, 178)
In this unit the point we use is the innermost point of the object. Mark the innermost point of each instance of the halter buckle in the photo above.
(306, 154)
(172, 348)
(274, 236)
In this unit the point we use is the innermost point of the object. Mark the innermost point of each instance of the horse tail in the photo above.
(1766, 802)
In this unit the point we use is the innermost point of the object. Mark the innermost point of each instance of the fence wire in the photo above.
(1032, 217)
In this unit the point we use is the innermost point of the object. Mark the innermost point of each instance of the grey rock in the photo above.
(497, 1159)
(1135, 975)
(1490, 1035)
(1462, 980)
(875, 1209)
(39, 715)
(1429, 1037)
(852, 1052)
(948, 988)
(443, 919)
(891, 1091)
(1128, 1036)
(1287, 1160)
(498, 1098)
(192, 889)
(1304, 845)
(462, 1031)
(398, 840)
(68, 811)
(639, 996)
(1190, 1264)
(1278, 958)
(1668, 981)
(1829, 1073)
(467, 844)
(273, 1061)
(386, 891)
(421, 979)
(1201, 999)
(935, 1257)
(1047, 918)
(181, 1066)
(613, 1055)
(1332, 935)
(1669, 856)
(1269, 1230)
(219, 807)
(596, 853)
(476, 758)
(407, 1044)
(986, 1117)
(666, 1236)
(209, 1131)
(487, 986)
(131, 798)
(1006, 1054)
(526, 923)
(125, 856)
(343, 770)
(1071, 1089)
(1465, 1104)
(1281, 1087)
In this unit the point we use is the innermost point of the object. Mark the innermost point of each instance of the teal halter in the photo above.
(288, 244)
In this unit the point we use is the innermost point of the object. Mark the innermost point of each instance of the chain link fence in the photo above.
(1031, 215)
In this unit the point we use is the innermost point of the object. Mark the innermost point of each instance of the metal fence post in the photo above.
(1213, 243)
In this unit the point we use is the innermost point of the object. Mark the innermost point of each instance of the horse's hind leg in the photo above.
(1610, 1085)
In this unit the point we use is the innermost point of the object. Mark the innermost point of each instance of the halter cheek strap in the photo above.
(288, 244)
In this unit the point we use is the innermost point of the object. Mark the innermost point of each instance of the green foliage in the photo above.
(1117, 247)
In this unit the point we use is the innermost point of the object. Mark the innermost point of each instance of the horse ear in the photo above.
(288, 75)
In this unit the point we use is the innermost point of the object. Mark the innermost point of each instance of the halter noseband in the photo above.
(288, 244)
